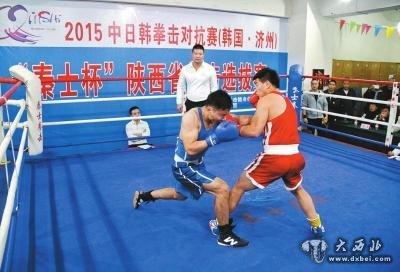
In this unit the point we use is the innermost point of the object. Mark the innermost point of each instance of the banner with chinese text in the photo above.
(75, 41)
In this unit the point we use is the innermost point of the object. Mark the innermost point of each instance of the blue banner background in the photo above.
(113, 133)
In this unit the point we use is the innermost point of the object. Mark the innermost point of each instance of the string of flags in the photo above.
(365, 28)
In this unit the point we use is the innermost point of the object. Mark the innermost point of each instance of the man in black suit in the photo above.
(346, 106)
(333, 103)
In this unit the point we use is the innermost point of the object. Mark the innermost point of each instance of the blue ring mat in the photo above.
(75, 212)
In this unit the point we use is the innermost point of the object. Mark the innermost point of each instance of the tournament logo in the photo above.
(16, 18)
(359, 251)
(316, 249)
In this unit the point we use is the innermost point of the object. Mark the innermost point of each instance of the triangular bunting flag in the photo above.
(363, 27)
(367, 28)
(377, 29)
(389, 31)
(341, 24)
(352, 25)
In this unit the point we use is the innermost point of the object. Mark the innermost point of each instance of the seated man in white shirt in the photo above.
(137, 128)
(395, 153)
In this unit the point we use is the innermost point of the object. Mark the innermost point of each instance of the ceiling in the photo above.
(340, 8)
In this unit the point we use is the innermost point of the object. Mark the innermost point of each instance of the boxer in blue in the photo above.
(201, 128)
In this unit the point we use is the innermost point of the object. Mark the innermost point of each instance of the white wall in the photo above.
(336, 8)
(309, 37)
(325, 41)
(313, 38)
(263, 7)
(297, 32)
(318, 50)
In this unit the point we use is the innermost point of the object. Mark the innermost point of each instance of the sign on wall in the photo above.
(76, 47)
(80, 24)
(73, 41)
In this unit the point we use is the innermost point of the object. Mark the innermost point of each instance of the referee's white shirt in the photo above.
(196, 85)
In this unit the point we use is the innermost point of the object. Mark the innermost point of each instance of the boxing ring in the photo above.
(75, 212)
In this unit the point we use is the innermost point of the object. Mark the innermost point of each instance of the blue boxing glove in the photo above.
(224, 132)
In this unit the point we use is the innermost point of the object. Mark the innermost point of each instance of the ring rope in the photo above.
(8, 80)
(361, 99)
(8, 137)
(392, 103)
(352, 136)
(56, 80)
(350, 117)
(32, 84)
(359, 80)
(111, 141)
(6, 96)
(117, 119)
(12, 146)
(8, 208)
(4, 159)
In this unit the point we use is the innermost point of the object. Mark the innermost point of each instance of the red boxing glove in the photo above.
(234, 119)
(253, 99)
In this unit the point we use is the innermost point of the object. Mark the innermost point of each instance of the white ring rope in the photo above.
(350, 117)
(31, 128)
(4, 159)
(8, 208)
(12, 146)
(392, 103)
(7, 138)
(19, 125)
(16, 102)
(116, 119)
(384, 102)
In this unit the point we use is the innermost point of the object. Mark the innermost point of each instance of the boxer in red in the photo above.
(276, 119)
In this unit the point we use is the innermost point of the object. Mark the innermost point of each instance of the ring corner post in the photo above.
(295, 88)
(34, 107)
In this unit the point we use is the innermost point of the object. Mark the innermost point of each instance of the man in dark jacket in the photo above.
(333, 103)
(347, 106)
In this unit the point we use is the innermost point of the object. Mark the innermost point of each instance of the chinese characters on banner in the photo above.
(159, 34)
(358, 245)
(74, 49)
(141, 79)
(109, 25)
